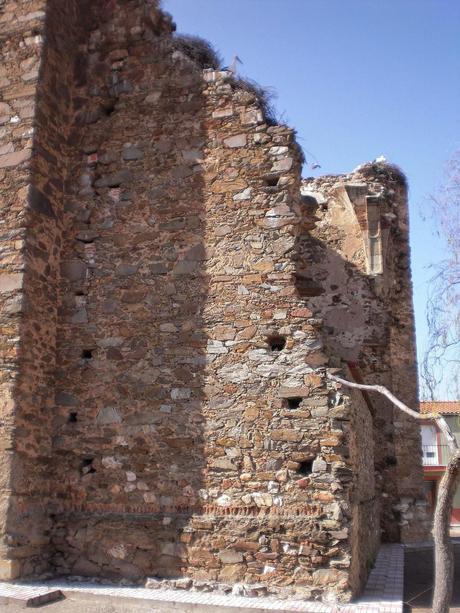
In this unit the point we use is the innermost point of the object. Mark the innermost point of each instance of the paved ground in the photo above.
(88, 603)
(384, 592)
(418, 574)
(418, 581)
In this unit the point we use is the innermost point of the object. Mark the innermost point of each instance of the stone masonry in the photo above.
(172, 294)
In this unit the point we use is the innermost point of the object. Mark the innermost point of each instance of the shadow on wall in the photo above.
(127, 456)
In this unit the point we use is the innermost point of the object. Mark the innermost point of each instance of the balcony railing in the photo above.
(435, 455)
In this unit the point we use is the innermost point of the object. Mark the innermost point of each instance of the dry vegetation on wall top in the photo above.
(199, 50)
(203, 53)
(263, 95)
(385, 171)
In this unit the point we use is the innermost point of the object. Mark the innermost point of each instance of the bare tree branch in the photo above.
(441, 362)
(383, 390)
(445, 429)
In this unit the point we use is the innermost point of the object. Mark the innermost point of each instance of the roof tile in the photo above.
(451, 407)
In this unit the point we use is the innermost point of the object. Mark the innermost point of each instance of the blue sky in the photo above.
(356, 79)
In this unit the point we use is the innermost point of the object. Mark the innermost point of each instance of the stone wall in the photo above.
(180, 231)
(166, 361)
(366, 504)
(369, 322)
(24, 350)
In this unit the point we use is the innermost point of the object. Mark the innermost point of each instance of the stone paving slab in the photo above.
(30, 595)
(383, 593)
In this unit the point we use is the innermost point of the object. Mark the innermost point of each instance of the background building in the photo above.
(436, 452)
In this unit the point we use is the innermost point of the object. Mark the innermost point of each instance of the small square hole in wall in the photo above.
(73, 417)
(108, 109)
(87, 354)
(86, 240)
(305, 467)
(276, 342)
(87, 466)
(294, 402)
(271, 181)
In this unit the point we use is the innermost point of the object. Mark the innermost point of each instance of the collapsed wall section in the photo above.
(360, 247)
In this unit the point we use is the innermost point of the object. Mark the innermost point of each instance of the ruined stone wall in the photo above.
(35, 153)
(360, 246)
(171, 413)
(131, 341)
(176, 278)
